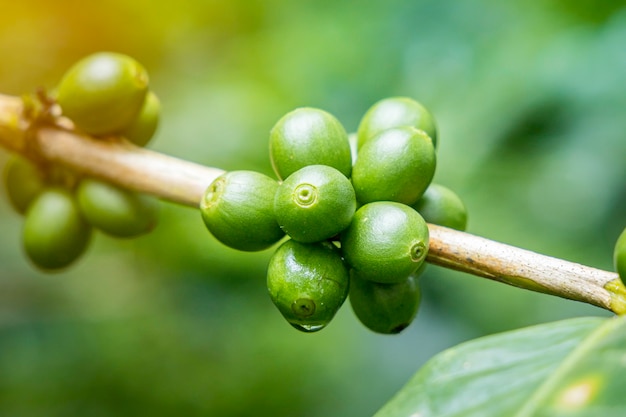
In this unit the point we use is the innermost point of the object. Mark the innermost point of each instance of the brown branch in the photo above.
(113, 159)
(122, 163)
(184, 182)
(525, 269)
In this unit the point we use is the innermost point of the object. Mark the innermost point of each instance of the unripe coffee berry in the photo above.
(314, 203)
(141, 130)
(23, 182)
(440, 205)
(386, 242)
(54, 233)
(103, 93)
(395, 112)
(398, 164)
(309, 136)
(114, 211)
(385, 308)
(238, 209)
(308, 283)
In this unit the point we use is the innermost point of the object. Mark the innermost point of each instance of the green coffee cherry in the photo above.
(54, 233)
(440, 205)
(386, 242)
(308, 283)
(619, 256)
(314, 203)
(398, 164)
(396, 112)
(23, 182)
(238, 209)
(145, 124)
(385, 308)
(115, 211)
(309, 136)
(103, 93)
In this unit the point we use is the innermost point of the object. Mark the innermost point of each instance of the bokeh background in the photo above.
(530, 99)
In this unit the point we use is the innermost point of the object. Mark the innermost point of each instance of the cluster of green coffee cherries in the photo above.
(354, 208)
(105, 95)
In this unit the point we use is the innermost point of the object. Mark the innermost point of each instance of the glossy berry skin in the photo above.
(386, 242)
(398, 164)
(395, 112)
(143, 128)
(440, 205)
(314, 203)
(619, 256)
(23, 182)
(115, 211)
(385, 308)
(54, 232)
(238, 209)
(103, 93)
(309, 136)
(308, 283)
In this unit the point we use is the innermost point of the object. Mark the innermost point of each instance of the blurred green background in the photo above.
(530, 98)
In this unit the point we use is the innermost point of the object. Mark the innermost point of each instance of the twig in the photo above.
(525, 269)
(184, 182)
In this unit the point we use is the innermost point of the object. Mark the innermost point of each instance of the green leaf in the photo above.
(574, 367)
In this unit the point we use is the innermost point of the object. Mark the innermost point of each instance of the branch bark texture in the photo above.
(184, 182)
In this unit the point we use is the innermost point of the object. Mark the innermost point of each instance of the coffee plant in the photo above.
(353, 218)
